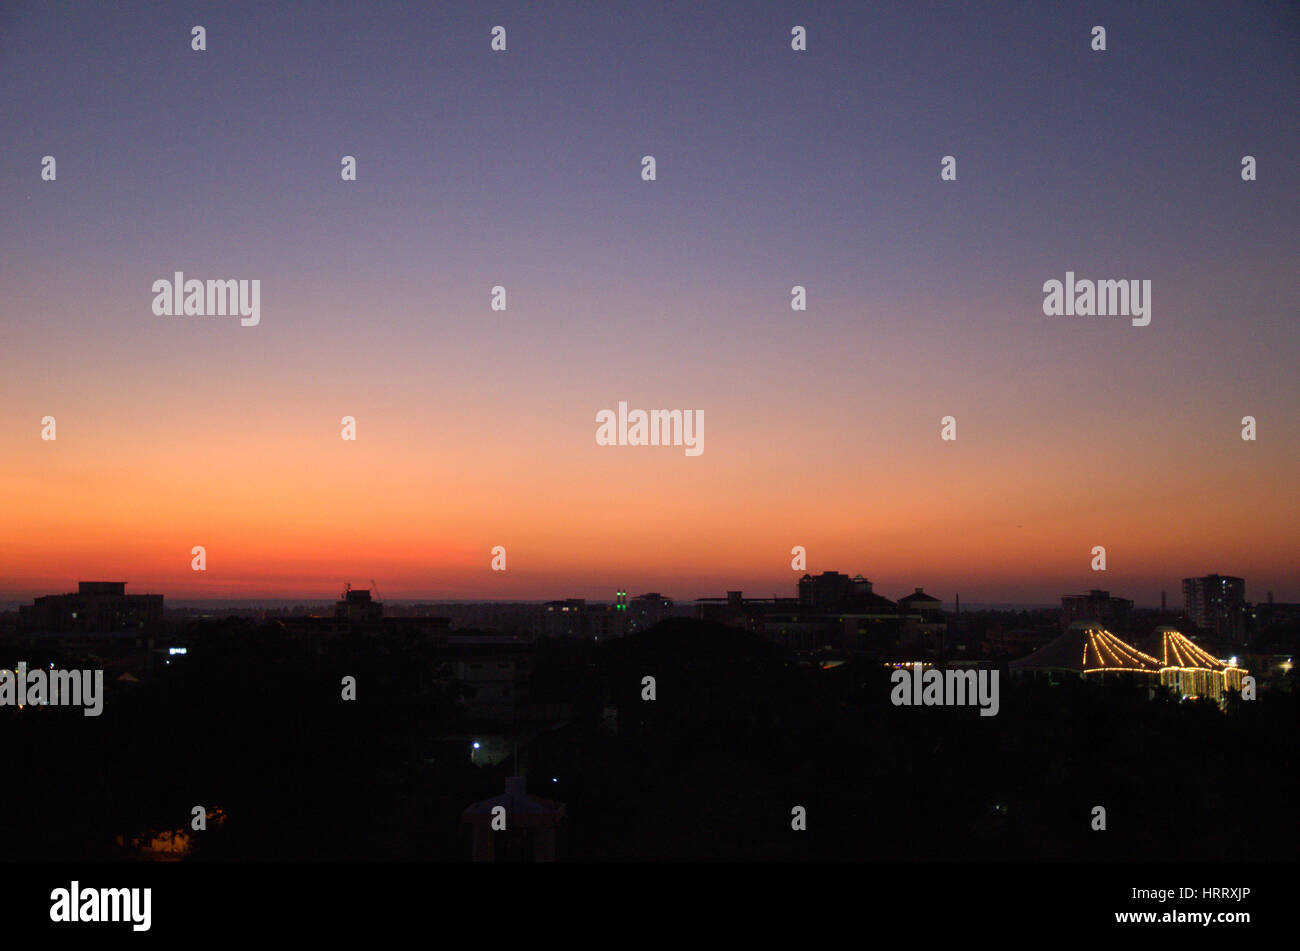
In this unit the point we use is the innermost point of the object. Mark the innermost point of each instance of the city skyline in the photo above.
(437, 437)
(614, 596)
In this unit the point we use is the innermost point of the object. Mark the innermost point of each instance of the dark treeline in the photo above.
(253, 723)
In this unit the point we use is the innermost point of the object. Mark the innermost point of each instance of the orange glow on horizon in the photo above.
(298, 518)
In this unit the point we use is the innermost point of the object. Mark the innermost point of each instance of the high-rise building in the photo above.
(358, 607)
(830, 590)
(564, 618)
(647, 610)
(1216, 604)
(1099, 606)
(574, 617)
(97, 607)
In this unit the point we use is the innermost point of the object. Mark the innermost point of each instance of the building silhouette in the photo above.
(1097, 606)
(514, 826)
(1192, 671)
(835, 611)
(1217, 605)
(358, 608)
(96, 607)
(1087, 649)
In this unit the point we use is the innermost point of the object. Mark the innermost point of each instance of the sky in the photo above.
(476, 428)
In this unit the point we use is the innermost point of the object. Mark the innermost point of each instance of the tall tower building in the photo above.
(1216, 604)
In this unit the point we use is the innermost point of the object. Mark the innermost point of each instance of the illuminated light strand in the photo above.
(1195, 672)
(1180, 643)
(1112, 655)
(1104, 648)
(1125, 653)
